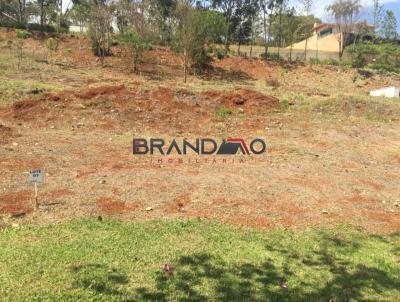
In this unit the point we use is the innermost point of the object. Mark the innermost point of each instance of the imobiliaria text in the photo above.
(199, 150)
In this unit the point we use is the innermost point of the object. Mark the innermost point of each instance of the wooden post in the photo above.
(36, 197)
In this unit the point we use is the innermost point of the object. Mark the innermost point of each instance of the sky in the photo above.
(366, 13)
(320, 5)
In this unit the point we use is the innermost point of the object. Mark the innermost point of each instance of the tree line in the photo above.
(193, 28)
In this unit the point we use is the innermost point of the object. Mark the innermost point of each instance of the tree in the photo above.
(100, 29)
(43, 5)
(243, 22)
(196, 31)
(256, 30)
(46, 10)
(282, 5)
(14, 9)
(60, 12)
(162, 14)
(307, 7)
(267, 7)
(8, 10)
(136, 45)
(389, 25)
(377, 14)
(22, 10)
(52, 47)
(292, 26)
(344, 12)
(230, 9)
(184, 37)
(80, 13)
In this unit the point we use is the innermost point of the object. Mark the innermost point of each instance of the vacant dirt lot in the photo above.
(333, 151)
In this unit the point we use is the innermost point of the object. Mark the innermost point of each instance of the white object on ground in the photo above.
(389, 92)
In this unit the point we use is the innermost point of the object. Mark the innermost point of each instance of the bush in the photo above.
(223, 112)
(273, 82)
(43, 28)
(52, 44)
(315, 61)
(63, 30)
(331, 62)
(12, 24)
(365, 73)
(271, 56)
(198, 30)
(220, 53)
(29, 26)
(358, 54)
(136, 43)
(379, 55)
(358, 60)
(386, 63)
(284, 104)
(22, 33)
(115, 41)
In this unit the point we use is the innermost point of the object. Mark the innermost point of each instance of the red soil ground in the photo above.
(322, 167)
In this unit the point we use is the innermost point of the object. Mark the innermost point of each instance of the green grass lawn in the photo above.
(90, 260)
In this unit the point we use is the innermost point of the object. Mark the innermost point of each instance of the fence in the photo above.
(256, 52)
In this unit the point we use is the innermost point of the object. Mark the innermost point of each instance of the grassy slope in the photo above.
(12, 89)
(118, 261)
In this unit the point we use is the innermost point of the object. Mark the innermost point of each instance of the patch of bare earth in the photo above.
(322, 167)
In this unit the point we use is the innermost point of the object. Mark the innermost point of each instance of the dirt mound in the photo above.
(106, 90)
(119, 106)
(85, 94)
(5, 134)
(163, 94)
(110, 206)
(24, 105)
(253, 67)
(50, 105)
(23, 110)
(242, 97)
(16, 204)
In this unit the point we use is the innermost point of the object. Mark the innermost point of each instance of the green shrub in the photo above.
(358, 54)
(220, 53)
(42, 28)
(315, 61)
(386, 63)
(358, 60)
(12, 24)
(29, 26)
(284, 104)
(271, 56)
(380, 55)
(223, 112)
(115, 42)
(63, 30)
(199, 30)
(10, 44)
(22, 34)
(52, 44)
(365, 73)
(136, 44)
(331, 62)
